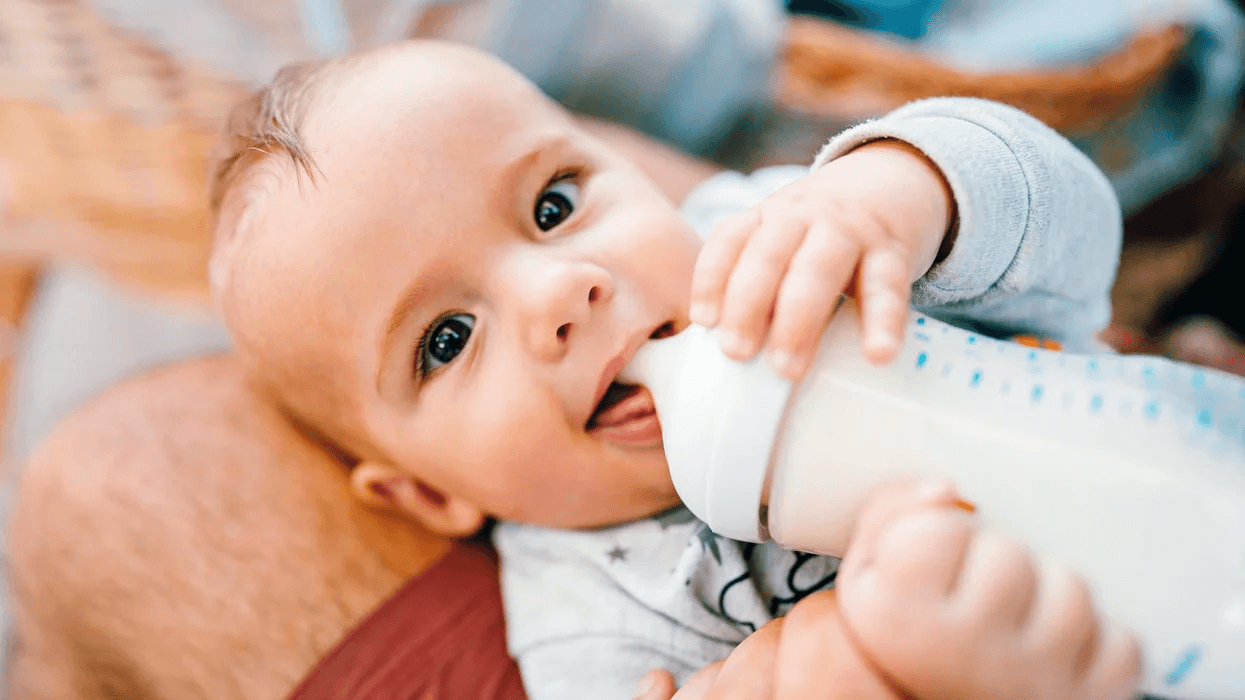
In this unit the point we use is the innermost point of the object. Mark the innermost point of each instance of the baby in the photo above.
(441, 273)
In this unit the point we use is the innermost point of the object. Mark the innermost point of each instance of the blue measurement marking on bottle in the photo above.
(1205, 418)
(921, 360)
(972, 339)
(921, 336)
(1191, 656)
(1036, 394)
(976, 380)
(1152, 410)
(1095, 403)
(920, 320)
(1032, 355)
(1199, 380)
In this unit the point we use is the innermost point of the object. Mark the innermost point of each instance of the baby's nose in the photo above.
(561, 304)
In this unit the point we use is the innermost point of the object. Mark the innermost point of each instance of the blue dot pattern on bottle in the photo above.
(1095, 403)
(1037, 392)
(1152, 410)
(976, 380)
(1186, 663)
(1205, 418)
(921, 360)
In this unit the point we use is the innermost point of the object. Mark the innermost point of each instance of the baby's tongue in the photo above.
(622, 404)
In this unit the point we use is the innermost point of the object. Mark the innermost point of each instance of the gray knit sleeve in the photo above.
(1039, 226)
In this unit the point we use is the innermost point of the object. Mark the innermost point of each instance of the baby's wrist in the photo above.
(936, 218)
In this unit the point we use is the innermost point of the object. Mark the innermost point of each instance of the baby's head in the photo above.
(432, 266)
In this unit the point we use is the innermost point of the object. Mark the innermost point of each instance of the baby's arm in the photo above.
(1039, 228)
(993, 219)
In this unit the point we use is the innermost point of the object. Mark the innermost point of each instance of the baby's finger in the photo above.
(1064, 621)
(748, 673)
(883, 292)
(810, 291)
(999, 580)
(1117, 668)
(753, 285)
(716, 260)
(701, 683)
(657, 684)
(888, 504)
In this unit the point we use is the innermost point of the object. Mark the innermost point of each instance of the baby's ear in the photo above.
(387, 488)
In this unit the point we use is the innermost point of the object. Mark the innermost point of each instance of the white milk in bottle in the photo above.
(1130, 470)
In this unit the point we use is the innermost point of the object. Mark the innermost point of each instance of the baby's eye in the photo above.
(443, 341)
(556, 203)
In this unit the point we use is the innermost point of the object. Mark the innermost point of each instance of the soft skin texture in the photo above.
(432, 165)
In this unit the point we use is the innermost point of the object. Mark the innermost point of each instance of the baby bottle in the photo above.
(1130, 470)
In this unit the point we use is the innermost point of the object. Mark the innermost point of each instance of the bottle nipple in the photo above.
(656, 364)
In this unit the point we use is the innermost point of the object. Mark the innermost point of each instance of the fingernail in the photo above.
(736, 345)
(785, 364)
(936, 490)
(702, 314)
(883, 342)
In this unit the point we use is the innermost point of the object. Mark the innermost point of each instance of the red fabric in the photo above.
(440, 637)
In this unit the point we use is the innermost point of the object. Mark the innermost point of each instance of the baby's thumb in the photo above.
(656, 685)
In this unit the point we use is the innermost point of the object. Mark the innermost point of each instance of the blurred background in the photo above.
(108, 109)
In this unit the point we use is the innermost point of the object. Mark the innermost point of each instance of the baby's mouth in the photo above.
(625, 415)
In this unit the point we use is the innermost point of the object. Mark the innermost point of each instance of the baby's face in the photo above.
(481, 270)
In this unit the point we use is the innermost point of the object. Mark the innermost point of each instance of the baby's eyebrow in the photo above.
(403, 309)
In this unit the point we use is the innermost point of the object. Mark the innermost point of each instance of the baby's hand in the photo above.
(953, 612)
(870, 222)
